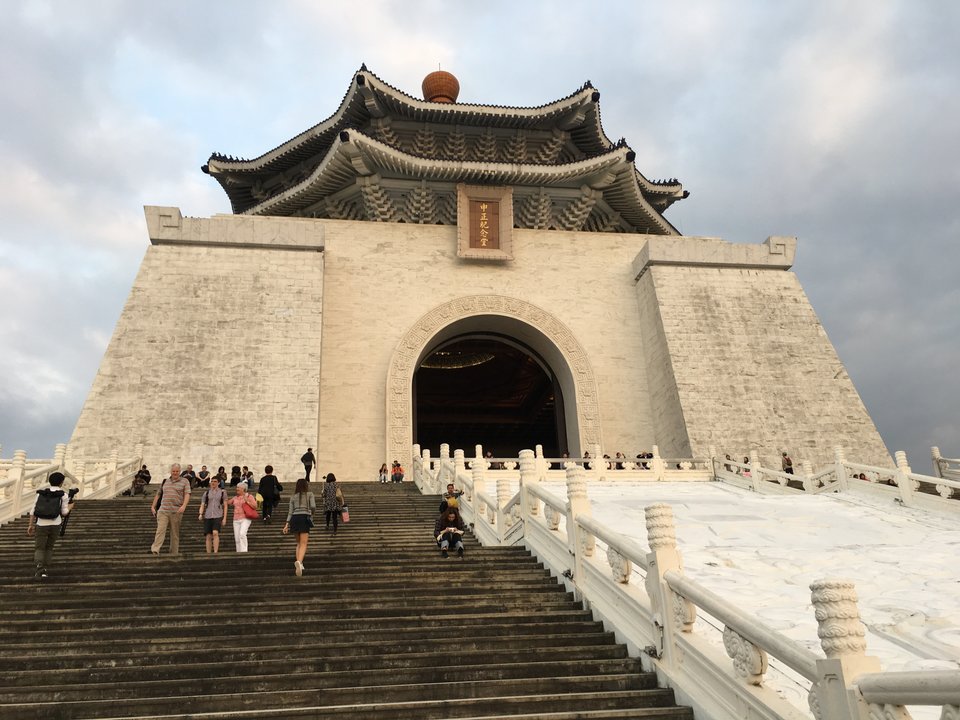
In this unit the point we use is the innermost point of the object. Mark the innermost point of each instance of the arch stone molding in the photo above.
(412, 346)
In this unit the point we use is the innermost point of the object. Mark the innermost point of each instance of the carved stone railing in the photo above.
(656, 610)
(96, 480)
(910, 488)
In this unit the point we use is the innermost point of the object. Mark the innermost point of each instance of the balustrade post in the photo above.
(427, 488)
(842, 638)
(806, 471)
(657, 464)
(580, 544)
(112, 467)
(459, 465)
(840, 463)
(904, 483)
(756, 474)
(478, 470)
(417, 469)
(529, 505)
(503, 497)
(669, 609)
(80, 472)
(16, 475)
(59, 455)
(936, 457)
(713, 460)
(541, 462)
(599, 464)
(443, 477)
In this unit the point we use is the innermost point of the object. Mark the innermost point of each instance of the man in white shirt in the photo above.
(50, 506)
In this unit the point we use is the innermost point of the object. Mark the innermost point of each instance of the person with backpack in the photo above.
(213, 510)
(50, 507)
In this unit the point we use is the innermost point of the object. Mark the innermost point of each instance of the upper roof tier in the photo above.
(384, 155)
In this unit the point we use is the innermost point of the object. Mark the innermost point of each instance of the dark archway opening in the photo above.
(487, 389)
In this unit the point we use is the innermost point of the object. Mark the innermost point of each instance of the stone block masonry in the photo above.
(215, 359)
(746, 356)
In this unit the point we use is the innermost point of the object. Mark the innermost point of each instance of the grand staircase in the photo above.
(378, 627)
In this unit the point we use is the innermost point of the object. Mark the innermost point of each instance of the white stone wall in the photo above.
(218, 359)
(380, 278)
(754, 368)
(215, 359)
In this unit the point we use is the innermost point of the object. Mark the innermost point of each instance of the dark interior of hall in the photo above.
(488, 390)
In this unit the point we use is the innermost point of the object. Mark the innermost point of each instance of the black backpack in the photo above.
(48, 504)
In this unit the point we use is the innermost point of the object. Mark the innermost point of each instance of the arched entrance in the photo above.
(490, 389)
(523, 324)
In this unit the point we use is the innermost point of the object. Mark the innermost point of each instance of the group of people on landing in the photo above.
(173, 498)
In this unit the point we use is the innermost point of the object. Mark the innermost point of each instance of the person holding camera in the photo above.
(449, 532)
(50, 507)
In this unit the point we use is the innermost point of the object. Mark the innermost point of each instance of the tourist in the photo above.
(190, 476)
(586, 460)
(213, 510)
(222, 476)
(140, 479)
(241, 521)
(383, 474)
(309, 460)
(51, 506)
(787, 464)
(726, 465)
(300, 520)
(203, 477)
(235, 478)
(396, 472)
(246, 474)
(269, 489)
(332, 501)
(620, 458)
(746, 470)
(449, 531)
(450, 498)
(168, 508)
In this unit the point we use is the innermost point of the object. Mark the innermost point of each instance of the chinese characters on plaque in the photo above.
(484, 222)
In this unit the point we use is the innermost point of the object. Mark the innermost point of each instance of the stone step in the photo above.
(323, 703)
(378, 626)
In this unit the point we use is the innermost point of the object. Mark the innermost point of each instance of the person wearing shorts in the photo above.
(213, 510)
(300, 520)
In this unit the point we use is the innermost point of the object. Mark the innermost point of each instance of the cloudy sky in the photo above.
(833, 121)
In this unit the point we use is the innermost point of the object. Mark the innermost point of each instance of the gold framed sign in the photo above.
(484, 222)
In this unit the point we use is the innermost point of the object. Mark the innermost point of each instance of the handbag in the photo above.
(345, 514)
(250, 512)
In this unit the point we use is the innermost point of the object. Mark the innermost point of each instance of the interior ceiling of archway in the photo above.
(507, 396)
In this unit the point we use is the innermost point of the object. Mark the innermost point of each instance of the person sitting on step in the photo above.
(449, 532)
(450, 498)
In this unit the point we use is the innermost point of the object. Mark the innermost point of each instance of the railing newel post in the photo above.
(579, 543)
(663, 558)
(16, 474)
(529, 505)
(756, 473)
(840, 465)
(904, 482)
(657, 465)
(112, 467)
(59, 454)
(842, 638)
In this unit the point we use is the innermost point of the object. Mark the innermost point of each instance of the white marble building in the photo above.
(355, 303)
